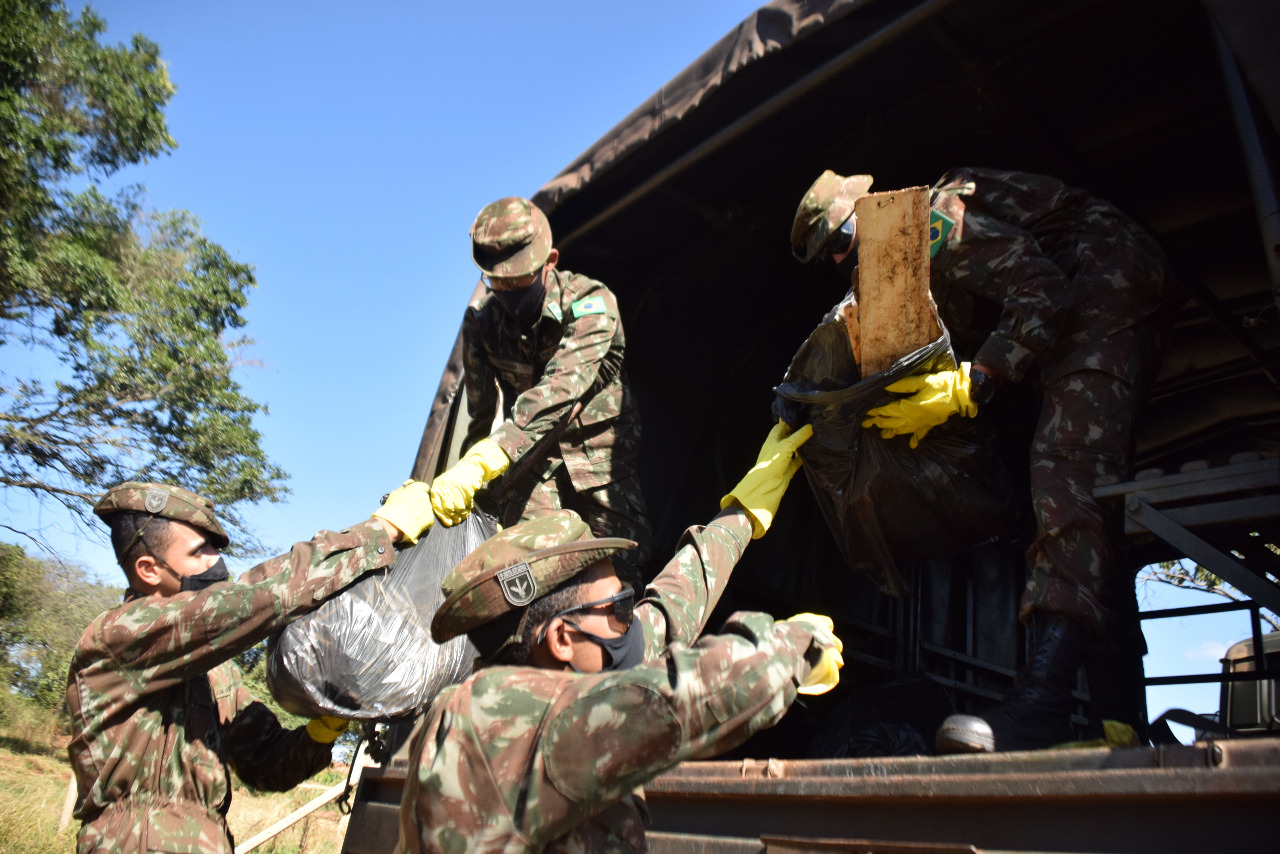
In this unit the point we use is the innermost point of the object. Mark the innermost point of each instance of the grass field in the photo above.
(34, 773)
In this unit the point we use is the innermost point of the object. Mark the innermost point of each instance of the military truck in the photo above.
(1168, 108)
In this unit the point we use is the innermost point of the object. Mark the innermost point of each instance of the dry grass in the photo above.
(34, 773)
(319, 833)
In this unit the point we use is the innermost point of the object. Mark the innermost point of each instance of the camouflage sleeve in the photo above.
(613, 732)
(568, 376)
(159, 642)
(267, 756)
(1036, 293)
(993, 255)
(479, 379)
(678, 602)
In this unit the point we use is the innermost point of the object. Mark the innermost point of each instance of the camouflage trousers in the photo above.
(616, 509)
(1085, 432)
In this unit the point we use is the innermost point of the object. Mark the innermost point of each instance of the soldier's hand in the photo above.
(326, 729)
(761, 490)
(453, 493)
(408, 509)
(825, 675)
(933, 399)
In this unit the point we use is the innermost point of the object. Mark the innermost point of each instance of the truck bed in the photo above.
(1222, 796)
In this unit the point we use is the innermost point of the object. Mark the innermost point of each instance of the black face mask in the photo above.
(213, 575)
(847, 265)
(525, 304)
(624, 651)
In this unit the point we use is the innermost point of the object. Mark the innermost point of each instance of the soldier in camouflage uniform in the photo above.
(579, 698)
(551, 342)
(158, 709)
(1040, 283)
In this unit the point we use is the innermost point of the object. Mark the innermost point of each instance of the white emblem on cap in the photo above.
(518, 586)
(156, 499)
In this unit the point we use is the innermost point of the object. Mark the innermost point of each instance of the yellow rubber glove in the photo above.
(761, 490)
(409, 509)
(453, 492)
(825, 675)
(934, 398)
(326, 729)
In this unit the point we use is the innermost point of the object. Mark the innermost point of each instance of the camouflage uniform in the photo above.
(1043, 282)
(573, 354)
(158, 712)
(529, 759)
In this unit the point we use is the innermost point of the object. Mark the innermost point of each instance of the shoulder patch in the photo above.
(588, 305)
(940, 226)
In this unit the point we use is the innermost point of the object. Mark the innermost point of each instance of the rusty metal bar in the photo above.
(1260, 590)
(1063, 800)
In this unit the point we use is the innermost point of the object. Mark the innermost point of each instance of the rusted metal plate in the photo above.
(1085, 800)
(896, 312)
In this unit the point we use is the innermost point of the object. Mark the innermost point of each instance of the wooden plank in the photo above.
(896, 312)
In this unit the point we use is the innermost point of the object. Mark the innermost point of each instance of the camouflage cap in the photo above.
(515, 567)
(825, 207)
(166, 501)
(510, 238)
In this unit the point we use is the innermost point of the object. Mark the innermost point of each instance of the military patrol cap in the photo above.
(510, 238)
(165, 501)
(515, 567)
(825, 207)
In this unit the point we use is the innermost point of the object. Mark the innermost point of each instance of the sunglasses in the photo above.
(841, 240)
(517, 283)
(623, 602)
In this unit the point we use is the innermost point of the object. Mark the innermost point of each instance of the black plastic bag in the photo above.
(885, 502)
(898, 718)
(367, 653)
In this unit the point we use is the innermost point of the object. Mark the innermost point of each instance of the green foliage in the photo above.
(125, 316)
(1192, 576)
(45, 610)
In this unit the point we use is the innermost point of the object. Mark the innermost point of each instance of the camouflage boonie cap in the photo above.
(166, 501)
(825, 207)
(510, 238)
(516, 566)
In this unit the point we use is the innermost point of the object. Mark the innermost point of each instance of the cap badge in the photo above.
(156, 499)
(518, 586)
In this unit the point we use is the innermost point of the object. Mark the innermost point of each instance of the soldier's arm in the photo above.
(264, 754)
(479, 380)
(678, 602)
(697, 702)
(159, 642)
(1035, 292)
(568, 375)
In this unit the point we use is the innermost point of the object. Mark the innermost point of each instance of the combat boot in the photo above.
(1036, 713)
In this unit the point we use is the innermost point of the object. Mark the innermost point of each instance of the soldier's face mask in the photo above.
(846, 265)
(525, 304)
(213, 575)
(624, 651)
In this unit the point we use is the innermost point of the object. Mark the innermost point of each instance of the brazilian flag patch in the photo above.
(587, 305)
(940, 226)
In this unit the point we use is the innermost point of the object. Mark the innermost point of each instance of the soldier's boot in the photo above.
(1036, 713)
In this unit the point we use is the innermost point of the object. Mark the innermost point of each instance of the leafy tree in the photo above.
(124, 315)
(45, 609)
(1192, 576)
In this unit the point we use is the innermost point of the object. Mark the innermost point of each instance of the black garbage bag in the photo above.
(886, 502)
(367, 653)
(898, 718)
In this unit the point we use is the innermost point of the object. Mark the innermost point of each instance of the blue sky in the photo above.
(344, 149)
